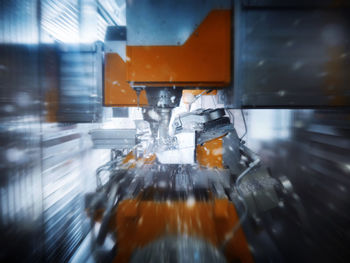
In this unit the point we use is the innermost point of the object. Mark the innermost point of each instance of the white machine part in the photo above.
(183, 152)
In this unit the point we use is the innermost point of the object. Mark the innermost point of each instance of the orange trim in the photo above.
(131, 161)
(140, 222)
(210, 154)
(117, 92)
(196, 92)
(204, 59)
(51, 99)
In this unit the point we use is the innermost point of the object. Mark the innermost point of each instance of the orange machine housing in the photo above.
(210, 153)
(117, 91)
(138, 223)
(203, 60)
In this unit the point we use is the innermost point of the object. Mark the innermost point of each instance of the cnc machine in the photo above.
(182, 196)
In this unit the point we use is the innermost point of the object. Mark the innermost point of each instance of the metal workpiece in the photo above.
(195, 120)
(192, 121)
(208, 124)
(192, 129)
(181, 249)
(166, 22)
(196, 128)
(179, 149)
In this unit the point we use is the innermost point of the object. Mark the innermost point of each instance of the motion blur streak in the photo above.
(315, 159)
(46, 166)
